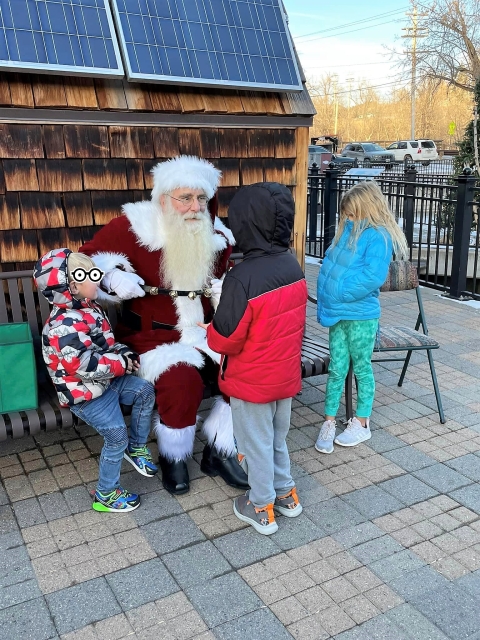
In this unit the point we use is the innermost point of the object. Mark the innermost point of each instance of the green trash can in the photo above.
(18, 375)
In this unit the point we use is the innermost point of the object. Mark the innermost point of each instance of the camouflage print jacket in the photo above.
(78, 344)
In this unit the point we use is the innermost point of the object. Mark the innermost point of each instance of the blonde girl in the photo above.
(353, 270)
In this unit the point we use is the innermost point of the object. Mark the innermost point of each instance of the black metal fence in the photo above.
(439, 214)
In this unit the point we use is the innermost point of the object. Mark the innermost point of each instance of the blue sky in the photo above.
(354, 51)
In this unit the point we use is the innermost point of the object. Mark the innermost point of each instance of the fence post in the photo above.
(409, 206)
(330, 207)
(313, 207)
(461, 236)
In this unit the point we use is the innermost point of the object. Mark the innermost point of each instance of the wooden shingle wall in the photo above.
(60, 183)
(45, 92)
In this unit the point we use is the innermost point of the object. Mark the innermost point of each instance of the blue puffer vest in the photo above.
(350, 278)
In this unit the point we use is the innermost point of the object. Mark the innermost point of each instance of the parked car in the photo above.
(369, 153)
(407, 151)
(319, 155)
(322, 157)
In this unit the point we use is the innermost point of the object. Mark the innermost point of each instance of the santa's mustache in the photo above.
(194, 216)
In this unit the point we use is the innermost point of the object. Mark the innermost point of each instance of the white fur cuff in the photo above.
(106, 261)
(173, 444)
(218, 427)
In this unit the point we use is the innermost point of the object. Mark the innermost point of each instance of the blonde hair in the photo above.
(368, 207)
(78, 261)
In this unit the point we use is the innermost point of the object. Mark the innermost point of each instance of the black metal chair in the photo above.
(402, 276)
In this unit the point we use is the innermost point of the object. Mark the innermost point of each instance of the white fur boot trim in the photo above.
(173, 444)
(218, 427)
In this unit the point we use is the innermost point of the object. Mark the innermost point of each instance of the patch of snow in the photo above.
(475, 304)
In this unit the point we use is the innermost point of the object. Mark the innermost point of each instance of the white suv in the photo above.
(407, 151)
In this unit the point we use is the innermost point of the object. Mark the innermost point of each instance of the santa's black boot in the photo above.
(174, 475)
(227, 467)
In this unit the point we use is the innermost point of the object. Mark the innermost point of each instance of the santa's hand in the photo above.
(124, 284)
(216, 287)
(204, 326)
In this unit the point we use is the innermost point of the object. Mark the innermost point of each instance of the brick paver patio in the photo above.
(388, 546)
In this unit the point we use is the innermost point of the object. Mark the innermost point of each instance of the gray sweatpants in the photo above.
(260, 431)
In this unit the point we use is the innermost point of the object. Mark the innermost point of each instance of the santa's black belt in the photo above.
(174, 293)
(134, 321)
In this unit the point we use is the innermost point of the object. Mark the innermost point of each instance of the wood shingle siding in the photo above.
(9, 211)
(78, 209)
(61, 180)
(42, 91)
(63, 174)
(21, 142)
(41, 210)
(85, 141)
(20, 175)
(86, 173)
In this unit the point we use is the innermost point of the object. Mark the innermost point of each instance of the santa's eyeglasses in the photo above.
(188, 200)
(80, 275)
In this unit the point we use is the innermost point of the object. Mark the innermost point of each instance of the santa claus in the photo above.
(164, 260)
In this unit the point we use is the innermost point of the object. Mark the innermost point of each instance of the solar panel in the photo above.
(235, 43)
(62, 36)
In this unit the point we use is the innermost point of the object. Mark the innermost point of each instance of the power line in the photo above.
(376, 86)
(351, 24)
(355, 64)
(333, 35)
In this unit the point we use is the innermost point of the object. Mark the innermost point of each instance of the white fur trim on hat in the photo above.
(218, 427)
(185, 171)
(173, 444)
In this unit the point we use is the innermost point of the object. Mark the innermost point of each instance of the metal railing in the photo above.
(439, 215)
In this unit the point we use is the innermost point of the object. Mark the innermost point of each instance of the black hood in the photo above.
(260, 217)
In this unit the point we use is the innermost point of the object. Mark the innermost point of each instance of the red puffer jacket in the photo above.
(259, 323)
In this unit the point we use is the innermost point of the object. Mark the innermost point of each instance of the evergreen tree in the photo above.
(466, 155)
(466, 158)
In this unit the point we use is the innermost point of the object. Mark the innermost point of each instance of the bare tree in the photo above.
(450, 47)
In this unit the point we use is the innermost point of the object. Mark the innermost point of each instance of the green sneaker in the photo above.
(117, 500)
(141, 459)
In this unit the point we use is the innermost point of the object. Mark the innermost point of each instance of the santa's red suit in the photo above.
(163, 328)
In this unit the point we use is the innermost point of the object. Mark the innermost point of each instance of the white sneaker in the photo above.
(354, 433)
(325, 438)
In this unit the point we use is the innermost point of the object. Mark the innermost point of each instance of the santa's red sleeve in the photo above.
(113, 247)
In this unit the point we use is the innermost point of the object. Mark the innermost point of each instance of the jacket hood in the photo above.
(50, 275)
(260, 217)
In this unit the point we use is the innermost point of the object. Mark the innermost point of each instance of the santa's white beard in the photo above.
(189, 251)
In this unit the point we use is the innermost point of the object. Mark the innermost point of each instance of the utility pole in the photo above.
(349, 80)
(335, 102)
(414, 32)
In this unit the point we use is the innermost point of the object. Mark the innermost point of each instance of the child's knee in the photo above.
(338, 370)
(116, 437)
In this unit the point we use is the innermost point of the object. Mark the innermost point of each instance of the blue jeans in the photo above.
(105, 415)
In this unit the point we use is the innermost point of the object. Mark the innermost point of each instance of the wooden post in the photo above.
(300, 194)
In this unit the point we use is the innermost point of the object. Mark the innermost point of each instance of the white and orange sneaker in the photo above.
(262, 519)
(289, 504)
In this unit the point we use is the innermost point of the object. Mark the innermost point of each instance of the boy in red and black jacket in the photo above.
(258, 328)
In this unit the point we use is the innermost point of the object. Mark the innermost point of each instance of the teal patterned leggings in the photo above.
(351, 340)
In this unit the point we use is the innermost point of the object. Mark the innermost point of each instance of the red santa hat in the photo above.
(185, 171)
